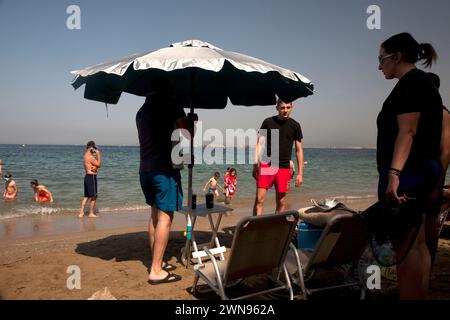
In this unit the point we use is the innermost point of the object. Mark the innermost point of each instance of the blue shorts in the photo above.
(417, 184)
(162, 188)
(90, 185)
(212, 190)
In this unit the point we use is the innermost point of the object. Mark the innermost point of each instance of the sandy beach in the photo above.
(112, 252)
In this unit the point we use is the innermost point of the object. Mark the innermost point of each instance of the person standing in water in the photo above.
(91, 162)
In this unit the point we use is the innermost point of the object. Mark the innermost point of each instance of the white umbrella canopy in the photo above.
(203, 75)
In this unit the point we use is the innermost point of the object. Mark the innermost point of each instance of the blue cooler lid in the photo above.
(307, 226)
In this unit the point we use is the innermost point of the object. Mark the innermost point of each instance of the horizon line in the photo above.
(216, 146)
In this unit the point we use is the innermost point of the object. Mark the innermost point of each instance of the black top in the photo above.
(289, 131)
(155, 123)
(414, 92)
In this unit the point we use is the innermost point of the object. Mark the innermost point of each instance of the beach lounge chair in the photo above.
(259, 246)
(342, 242)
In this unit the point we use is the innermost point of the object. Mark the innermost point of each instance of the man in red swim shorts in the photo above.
(277, 171)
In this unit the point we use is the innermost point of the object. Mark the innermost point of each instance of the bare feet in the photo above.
(81, 215)
(163, 277)
(92, 215)
(161, 274)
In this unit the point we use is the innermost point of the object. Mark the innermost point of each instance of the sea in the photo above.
(328, 172)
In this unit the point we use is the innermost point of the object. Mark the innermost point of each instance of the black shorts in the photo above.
(90, 185)
(418, 184)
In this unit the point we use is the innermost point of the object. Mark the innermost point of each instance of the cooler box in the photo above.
(307, 235)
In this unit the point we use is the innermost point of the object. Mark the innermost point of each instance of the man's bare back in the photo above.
(91, 163)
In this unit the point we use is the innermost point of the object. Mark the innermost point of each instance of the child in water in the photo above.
(10, 187)
(230, 181)
(41, 193)
(213, 185)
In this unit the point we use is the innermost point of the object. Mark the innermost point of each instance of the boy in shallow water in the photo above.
(213, 185)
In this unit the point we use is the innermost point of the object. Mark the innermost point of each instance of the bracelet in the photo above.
(395, 171)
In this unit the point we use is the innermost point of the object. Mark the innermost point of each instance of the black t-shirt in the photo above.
(289, 131)
(155, 123)
(414, 92)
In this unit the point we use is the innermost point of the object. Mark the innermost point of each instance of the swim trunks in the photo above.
(43, 196)
(90, 185)
(8, 196)
(269, 176)
(212, 190)
(162, 188)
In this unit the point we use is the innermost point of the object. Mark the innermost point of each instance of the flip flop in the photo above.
(168, 267)
(171, 277)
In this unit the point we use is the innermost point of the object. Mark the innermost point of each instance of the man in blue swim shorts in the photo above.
(160, 182)
(91, 162)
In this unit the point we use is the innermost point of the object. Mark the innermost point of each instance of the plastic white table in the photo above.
(191, 248)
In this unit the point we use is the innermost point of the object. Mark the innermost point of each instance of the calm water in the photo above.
(328, 172)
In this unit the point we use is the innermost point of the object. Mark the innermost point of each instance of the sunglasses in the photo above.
(381, 59)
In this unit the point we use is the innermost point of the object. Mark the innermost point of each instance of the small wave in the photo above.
(124, 208)
(11, 216)
(41, 210)
(44, 211)
(36, 211)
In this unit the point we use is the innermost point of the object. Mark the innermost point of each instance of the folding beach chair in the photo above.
(259, 246)
(342, 242)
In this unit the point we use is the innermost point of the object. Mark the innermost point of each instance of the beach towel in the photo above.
(230, 185)
(322, 211)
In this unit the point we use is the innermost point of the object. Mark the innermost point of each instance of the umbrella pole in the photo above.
(187, 250)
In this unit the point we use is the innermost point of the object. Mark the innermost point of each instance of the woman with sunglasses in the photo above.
(408, 151)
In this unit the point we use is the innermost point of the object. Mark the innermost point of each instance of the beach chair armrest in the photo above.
(210, 255)
(215, 265)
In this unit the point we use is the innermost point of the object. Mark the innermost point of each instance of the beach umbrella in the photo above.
(203, 76)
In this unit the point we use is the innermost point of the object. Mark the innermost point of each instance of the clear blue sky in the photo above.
(327, 41)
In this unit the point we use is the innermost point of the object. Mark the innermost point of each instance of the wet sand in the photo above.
(112, 251)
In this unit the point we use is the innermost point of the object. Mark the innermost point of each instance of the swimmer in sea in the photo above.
(41, 193)
(10, 188)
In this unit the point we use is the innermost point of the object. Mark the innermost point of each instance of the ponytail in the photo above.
(410, 49)
(427, 53)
